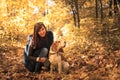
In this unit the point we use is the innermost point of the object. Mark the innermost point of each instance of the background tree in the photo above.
(114, 7)
(93, 50)
(99, 9)
(75, 9)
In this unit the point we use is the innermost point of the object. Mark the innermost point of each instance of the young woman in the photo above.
(37, 51)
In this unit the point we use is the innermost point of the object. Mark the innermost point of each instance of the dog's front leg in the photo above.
(59, 65)
(51, 68)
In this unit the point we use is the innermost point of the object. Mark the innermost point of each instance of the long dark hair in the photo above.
(36, 36)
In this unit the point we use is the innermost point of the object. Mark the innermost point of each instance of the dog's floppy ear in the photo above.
(54, 46)
(61, 50)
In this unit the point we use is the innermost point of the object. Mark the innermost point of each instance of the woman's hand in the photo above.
(41, 59)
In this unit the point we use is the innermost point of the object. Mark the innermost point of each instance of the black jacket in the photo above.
(29, 50)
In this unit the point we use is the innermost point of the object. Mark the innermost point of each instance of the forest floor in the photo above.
(83, 67)
(88, 66)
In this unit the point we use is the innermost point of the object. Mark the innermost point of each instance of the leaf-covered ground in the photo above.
(97, 59)
(88, 61)
(99, 66)
(94, 56)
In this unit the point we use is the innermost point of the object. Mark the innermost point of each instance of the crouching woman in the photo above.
(36, 53)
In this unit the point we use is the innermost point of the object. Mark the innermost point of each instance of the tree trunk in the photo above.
(74, 12)
(77, 11)
(96, 7)
(115, 6)
(101, 10)
(110, 8)
(74, 17)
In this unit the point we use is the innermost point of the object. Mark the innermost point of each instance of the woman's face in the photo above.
(42, 32)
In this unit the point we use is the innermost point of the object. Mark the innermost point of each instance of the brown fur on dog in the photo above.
(58, 46)
(57, 58)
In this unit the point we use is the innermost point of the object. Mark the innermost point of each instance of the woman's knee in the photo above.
(44, 51)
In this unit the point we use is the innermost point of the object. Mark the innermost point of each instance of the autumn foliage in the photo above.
(93, 50)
